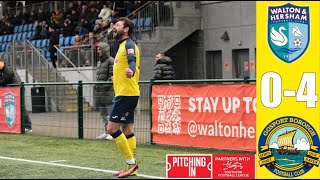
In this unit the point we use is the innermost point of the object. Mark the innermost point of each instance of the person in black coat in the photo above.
(163, 69)
(8, 76)
(54, 40)
(104, 92)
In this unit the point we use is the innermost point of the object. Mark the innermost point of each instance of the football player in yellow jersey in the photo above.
(126, 72)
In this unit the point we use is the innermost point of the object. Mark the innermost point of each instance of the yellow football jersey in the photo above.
(128, 56)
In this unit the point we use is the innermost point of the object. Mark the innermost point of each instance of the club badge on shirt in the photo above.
(130, 51)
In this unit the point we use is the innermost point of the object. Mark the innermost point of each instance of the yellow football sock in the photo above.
(133, 145)
(123, 145)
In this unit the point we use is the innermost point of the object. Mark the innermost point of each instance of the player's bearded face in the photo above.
(118, 30)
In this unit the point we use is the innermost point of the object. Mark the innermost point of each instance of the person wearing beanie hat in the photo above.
(9, 76)
(104, 92)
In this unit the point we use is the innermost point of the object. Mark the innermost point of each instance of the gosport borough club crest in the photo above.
(288, 31)
(10, 108)
(289, 147)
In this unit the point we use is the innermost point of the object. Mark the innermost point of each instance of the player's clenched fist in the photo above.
(129, 72)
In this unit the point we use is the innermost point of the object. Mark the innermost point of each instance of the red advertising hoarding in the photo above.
(10, 120)
(211, 116)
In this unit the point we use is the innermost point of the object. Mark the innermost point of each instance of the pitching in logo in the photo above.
(289, 147)
(10, 108)
(288, 31)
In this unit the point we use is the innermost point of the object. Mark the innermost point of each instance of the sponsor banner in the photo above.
(10, 110)
(233, 166)
(211, 116)
(288, 70)
(191, 166)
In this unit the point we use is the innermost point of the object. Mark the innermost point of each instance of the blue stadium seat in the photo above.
(14, 37)
(33, 42)
(33, 27)
(72, 40)
(29, 35)
(24, 36)
(29, 27)
(15, 29)
(47, 42)
(147, 25)
(25, 28)
(4, 47)
(20, 28)
(67, 41)
(38, 43)
(9, 37)
(140, 23)
(48, 56)
(134, 21)
(1, 39)
(5, 38)
(43, 43)
(19, 36)
(61, 41)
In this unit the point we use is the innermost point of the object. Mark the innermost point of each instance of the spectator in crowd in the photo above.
(74, 17)
(45, 34)
(105, 13)
(163, 68)
(8, 29)
(68, 28)
(37, 34)
(19, 4)
(79, 6)
(18, 18)
(54, 40)
(128, 7)
(25, 17)
(2, 24)
(58, 18)
(100, 5)
(120, 8)
(42, 16)
(33, 16)
(104, 92)
(69, 10)
(83, 12)
(76, 55)
(104, 26)
(89, 39)
(91, 17)
(97, 28)
(135, 5)
(82, 28)
(114, 16)
(9, 76)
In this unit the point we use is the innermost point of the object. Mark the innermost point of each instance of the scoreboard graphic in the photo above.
(287, 89)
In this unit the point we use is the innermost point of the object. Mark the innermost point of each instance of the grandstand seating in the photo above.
(147, 25)
(27, 31)
(21, 33)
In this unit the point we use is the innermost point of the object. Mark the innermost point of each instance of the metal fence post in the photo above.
(150, 106)
(22, 110)
(80, 110)
(246, 80)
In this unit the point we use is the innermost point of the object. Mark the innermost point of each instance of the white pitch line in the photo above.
(76, 167)
(57, 161)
